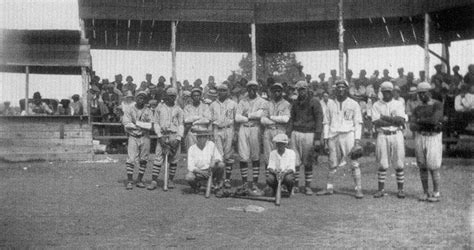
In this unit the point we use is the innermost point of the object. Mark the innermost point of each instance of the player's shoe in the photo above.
(129, 185)
(424, 197)
(140, 184)
(434, 198)
(219, 193)
(380, 194)
(308, 191)
(325, 192)
(227, 184)
(152, 185)
(295, 190)
(359, 194)
(171, 184)
(401, 194)
(256, 191)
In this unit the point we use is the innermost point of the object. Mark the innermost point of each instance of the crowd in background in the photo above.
(108, 99)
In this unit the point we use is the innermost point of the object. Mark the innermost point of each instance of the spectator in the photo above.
(440, 75)
(161, 82)
(349, 78)
(110, 98)
(401, 80)
(396, 95)
(375, 81)
(76, 106)
(464, 106)
(7, 109)
(144, 87)
(332, 80)
(187, 86)
(118, 82)
(64, 109)
(456, 78)
(148, 78)
(198, 83)
(405, 89)
(421, 77)
(386, 76)
(128, 101)
(438, 92)
(308, 78)
(469, 77)
(98, 108)
(129, 85)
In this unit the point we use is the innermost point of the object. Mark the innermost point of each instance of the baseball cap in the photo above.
(172, 91)
(222, 87)
(196, 90)
(139, 93)
(386, 86)
(212, 92)
(186, 93)
(412, 90)
(301, 85)
(277, 85)
(342, 82)
(250, 83)
(423, 87)
(283, 138)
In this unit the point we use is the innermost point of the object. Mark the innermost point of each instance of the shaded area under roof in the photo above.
(45, 51)
(282, 25)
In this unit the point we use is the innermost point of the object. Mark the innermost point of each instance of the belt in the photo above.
(168, 132)
(275, 127)
(249, 125)
(428, 133)
(228, 126)
(388, 132)
(136, 136)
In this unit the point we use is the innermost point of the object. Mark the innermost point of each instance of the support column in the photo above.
(445, 55)
(85, 88)
(346, 51)
(173, 53)
(341, 40)
(27, 88)
(254, 51)
(427, 49)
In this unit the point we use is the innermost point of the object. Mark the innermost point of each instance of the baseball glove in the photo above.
(356, 152)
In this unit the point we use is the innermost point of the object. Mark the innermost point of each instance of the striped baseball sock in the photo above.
(173, 167)
(155, 172)
(297, 174)
(130, 167)
(382, 175)
(436, 177)
(228, 170)
(255, 170)
(142, 167)
(308, 177)
(424, 179)
(243, 171)
(357, 177)
(400, 174)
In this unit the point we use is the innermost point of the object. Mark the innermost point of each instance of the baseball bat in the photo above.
(209, 184)
(278, 191)
(165, 177)
(257, 198)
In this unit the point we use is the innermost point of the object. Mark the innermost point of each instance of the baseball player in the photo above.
(306, 126)
(388, 116)
(249, 113)
(282, 161)
(426, 124)
(223, 112)
(342, 132)
(204, 157)
(170, 118)
(275, 118)
(196, 116)
(137, 121)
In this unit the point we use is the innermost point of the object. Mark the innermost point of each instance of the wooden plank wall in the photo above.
(45, 138)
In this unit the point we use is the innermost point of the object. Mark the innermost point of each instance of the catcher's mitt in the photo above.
(356, 152)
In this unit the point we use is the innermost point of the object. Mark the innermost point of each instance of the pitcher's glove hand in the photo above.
(356, 152)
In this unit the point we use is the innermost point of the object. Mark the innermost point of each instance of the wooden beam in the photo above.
(85, 88)
(341, 39)
(173, 53)
(445, 56)
(27, 88)
(427, 50)
(253, 41)
(434, 53)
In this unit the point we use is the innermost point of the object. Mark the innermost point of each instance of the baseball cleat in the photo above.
(380, 194)
(325, 192)
(424, 197)
(140, 184)
(129, 185)
(227, 183)
(401, 194)
(152, 185)
(308, 191)
(359, 194)
(171, 184)
(434, 198)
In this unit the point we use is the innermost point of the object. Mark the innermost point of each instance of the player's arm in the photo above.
(318, 116)
(241, 116)
(357, 123)
(284, 115)
(435, 119)
(189, 116)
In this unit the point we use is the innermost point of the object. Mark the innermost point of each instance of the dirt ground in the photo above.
(85, 205)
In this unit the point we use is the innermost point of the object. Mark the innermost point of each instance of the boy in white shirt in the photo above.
(204, 157)
(282, 161)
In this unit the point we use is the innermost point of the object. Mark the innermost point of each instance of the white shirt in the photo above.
(283, 162)
(203, 159)
(342, 118)
(391, 108)
(465, 103)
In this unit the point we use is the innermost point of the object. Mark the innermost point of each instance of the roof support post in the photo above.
(427, 49)
(341, 39)
(254, 51)
(346, 51)
(445, 55)
(27, 87)
(173, 53)
(85, 88)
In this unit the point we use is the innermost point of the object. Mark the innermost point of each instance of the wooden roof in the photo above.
(45, 51)
(282, 25)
